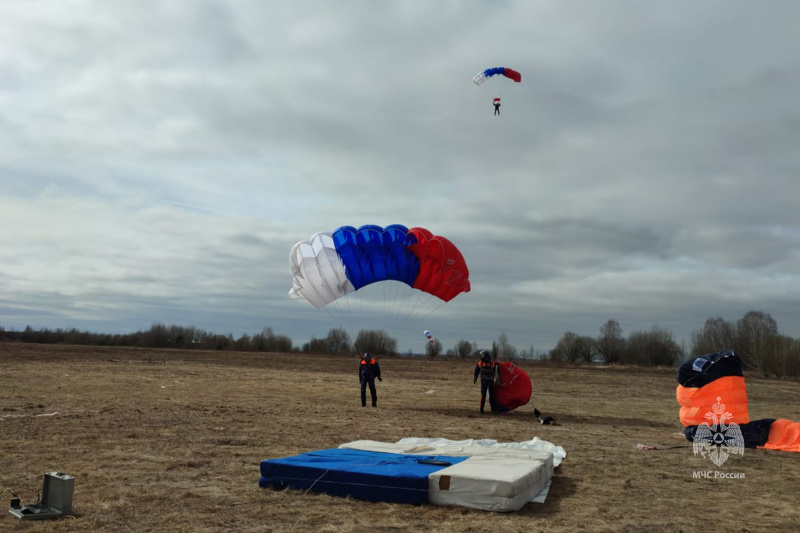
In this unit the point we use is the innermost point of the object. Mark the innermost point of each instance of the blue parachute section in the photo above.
(372, 253)
(489, 72)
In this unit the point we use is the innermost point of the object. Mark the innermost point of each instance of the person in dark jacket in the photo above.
(368, 370)
(486, 369)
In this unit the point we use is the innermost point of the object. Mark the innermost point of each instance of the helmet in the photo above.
(485, 355)
(366, 355)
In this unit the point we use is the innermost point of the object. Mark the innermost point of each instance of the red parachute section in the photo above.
(443, 271)
(513, 74)
(514, 387)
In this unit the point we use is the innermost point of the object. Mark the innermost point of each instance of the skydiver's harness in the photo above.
(368, 370)
(488, 370)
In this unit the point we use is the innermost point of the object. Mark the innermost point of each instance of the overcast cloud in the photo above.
(158, 160)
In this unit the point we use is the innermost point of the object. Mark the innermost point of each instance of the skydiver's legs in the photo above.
(364, 392)
(373, 393)
(485, 387)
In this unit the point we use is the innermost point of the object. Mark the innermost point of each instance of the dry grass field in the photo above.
(171, 441)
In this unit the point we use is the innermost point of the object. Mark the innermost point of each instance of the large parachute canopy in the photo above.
(334, 266)
(504, 71)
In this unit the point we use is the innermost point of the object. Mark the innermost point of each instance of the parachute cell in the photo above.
(317, 273)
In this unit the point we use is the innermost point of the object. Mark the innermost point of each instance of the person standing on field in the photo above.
(485, 369)
(368, 370)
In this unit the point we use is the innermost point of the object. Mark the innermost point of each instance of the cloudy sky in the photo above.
(158, 160)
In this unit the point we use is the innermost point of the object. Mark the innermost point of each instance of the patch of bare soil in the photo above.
(171, 441)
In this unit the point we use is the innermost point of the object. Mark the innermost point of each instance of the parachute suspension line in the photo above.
(421, 305)
(337, 314)
(388, 307)
(402, 299)
(355, 304)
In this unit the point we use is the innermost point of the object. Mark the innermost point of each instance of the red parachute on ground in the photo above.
(512, 389)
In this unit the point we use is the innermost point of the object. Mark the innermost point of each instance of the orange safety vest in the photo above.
(487, 369)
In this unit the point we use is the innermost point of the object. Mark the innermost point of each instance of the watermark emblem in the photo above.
(718, 438)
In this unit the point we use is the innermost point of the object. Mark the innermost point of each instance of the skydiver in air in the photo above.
(496, 107)
(368, 370)
(486, 369)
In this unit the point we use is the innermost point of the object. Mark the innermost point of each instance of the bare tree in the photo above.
(465, 349)
(718, 334)
(433, 348)
(755, 333)
(567, 348)
(530, 353)
(505, 351)
(610, 344)
(377, 342)
(783, 358)
(587, 349)
(338, 341)
(654, 347)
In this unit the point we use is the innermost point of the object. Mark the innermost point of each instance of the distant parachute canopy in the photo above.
(489, 72)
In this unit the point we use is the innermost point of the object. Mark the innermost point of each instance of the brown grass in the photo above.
(171, 441)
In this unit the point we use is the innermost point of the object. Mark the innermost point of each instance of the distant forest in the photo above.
(754, 338)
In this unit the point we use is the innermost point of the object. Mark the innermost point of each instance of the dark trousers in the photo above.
(487, 386)
(496, 110)
(372, 391)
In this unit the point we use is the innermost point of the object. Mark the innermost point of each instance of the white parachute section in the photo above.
(317, 273)
(479, 79)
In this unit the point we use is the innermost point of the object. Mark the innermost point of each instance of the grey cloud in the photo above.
(158, 161)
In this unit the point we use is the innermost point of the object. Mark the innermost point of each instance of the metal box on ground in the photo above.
(57, 491)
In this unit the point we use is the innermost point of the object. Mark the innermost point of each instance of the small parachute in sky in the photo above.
(489, 72)
(428, 336)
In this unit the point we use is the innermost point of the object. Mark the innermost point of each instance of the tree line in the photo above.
(754, 337)
(157, 336)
